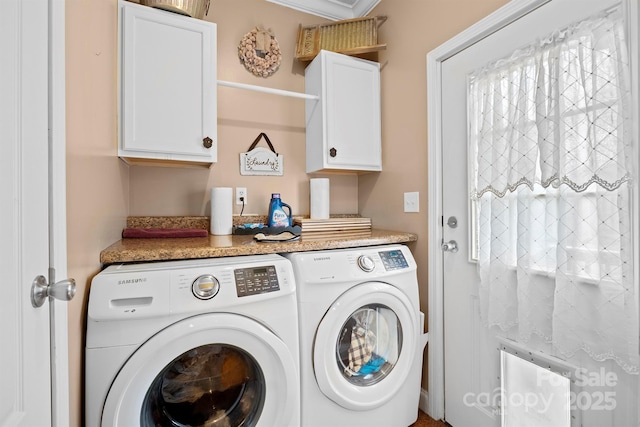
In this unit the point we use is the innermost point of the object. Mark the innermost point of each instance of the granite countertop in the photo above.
(162, 249)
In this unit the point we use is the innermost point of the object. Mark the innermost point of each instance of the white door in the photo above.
(471, 360)
(29, 85)
(352, 107)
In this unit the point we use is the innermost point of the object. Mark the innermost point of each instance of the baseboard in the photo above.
(423, 404)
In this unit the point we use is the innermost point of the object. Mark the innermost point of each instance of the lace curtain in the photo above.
(549, 132)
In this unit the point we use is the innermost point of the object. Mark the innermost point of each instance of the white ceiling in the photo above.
(335, 10)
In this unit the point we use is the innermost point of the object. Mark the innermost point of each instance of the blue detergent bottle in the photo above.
(277, 216)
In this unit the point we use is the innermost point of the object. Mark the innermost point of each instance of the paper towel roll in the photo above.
(221, 211)
(319, 195)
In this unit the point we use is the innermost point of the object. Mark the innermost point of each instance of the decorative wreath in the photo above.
(259, 51)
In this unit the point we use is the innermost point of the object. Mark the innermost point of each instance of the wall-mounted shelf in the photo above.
(331, 9)
(268, 90)
(349, 37)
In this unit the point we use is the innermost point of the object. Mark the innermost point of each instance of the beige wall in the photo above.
(97, 182)
(102, 191)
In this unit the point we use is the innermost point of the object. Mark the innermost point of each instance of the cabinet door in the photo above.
(168, 86)
(352, 113)
(343, 126)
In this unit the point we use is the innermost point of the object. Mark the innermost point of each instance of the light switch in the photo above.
(412, 201)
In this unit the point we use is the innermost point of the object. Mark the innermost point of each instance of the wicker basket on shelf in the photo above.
(350, 37)
(193, 8)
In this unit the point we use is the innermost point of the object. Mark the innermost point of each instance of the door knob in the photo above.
(63, 290)
(450, 246)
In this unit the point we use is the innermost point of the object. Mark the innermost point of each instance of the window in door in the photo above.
(551, 153)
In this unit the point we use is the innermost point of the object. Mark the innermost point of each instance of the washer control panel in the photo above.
(393, 260)
(366, 263)
(205, 287)
(256, 280)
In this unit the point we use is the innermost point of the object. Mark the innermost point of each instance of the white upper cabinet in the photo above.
(168, 111)
(343, 127)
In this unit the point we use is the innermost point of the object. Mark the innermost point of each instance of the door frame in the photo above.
(60, 404)
(501, 18)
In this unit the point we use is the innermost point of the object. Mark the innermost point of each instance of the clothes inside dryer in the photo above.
(369, 344)
(213, 385)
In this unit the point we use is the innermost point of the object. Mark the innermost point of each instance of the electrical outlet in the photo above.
(411, 202)
(241, 192)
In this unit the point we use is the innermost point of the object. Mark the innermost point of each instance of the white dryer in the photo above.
(200, 342)
(361, 336)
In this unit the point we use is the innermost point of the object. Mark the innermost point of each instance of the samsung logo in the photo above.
(322, 258)
(132, 281)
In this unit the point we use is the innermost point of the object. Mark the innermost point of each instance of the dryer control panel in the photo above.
(393, 260)
(256, 280)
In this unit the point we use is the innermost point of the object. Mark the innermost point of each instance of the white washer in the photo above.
(361, 336)
(200, 342)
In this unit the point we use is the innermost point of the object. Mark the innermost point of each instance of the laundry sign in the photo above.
(261, 161)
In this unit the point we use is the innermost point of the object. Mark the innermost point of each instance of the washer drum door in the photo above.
(365, 346)
(215, 369)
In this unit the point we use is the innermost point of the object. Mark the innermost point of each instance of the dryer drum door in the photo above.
(365, 346)
(214, 369)
(214, 384)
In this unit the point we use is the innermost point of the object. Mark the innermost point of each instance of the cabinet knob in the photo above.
(333, 152)
(207, 142)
